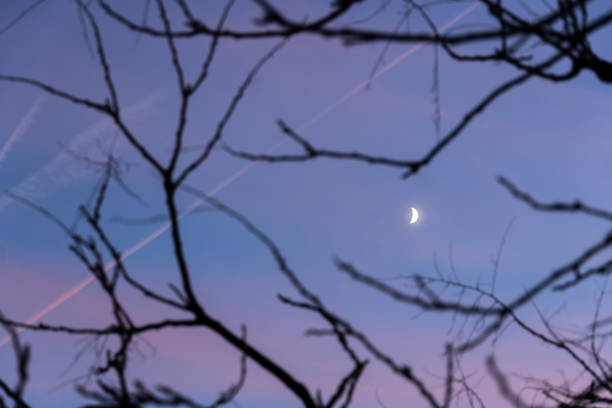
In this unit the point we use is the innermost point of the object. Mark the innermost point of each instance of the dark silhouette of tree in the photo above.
(562, 32)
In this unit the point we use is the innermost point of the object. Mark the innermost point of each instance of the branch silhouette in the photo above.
(554, 46)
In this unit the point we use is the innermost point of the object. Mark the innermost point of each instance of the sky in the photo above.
(549, 139)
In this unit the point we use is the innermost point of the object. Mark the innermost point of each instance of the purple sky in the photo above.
(549, 139)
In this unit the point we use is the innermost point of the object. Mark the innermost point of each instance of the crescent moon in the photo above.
(414, 216)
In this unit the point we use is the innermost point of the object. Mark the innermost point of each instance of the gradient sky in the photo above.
(549, 139)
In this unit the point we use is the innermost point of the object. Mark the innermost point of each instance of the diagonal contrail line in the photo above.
(138, 246)
(51, 173)
(21, 129)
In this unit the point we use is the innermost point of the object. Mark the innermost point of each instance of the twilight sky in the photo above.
(551, 140)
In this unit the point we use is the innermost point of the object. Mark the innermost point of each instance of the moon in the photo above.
(414, 215)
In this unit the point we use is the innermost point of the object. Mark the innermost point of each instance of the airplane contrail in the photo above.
(21, 128)
(138, 246)
(57, 172)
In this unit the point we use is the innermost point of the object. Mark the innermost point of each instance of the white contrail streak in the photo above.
(21, 128)
(138, 246)
(59, 171)
(363, 85)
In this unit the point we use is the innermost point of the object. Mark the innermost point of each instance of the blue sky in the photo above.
(549, 139)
